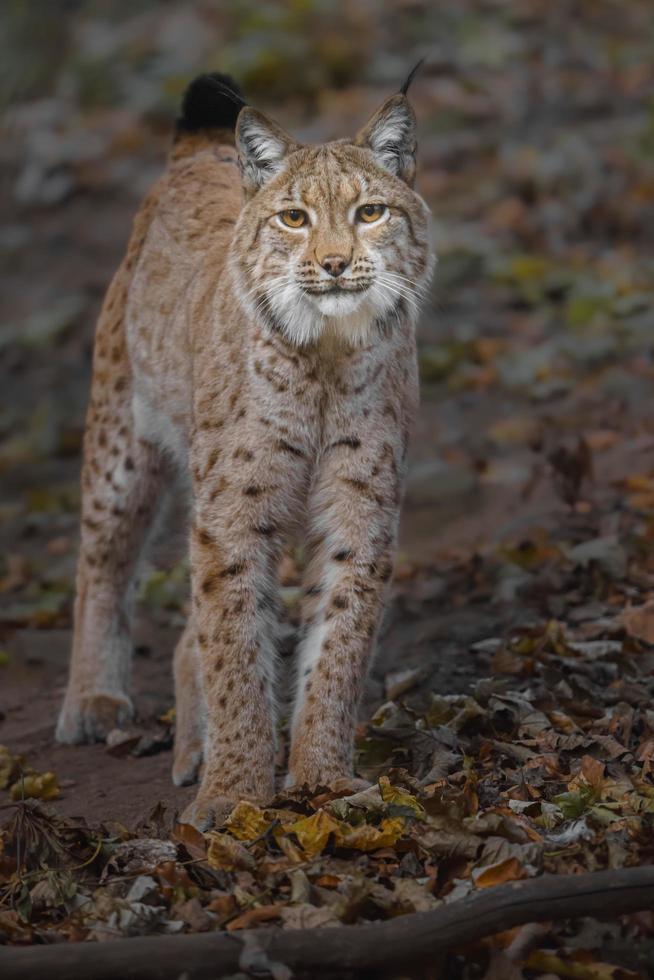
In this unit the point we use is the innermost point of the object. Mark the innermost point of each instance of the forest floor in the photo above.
(508, 717)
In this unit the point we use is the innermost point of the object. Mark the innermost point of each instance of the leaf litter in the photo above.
(544, 770)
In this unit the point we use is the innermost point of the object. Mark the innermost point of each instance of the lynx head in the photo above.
(332, 238)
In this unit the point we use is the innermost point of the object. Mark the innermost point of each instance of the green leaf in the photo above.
(576, 802)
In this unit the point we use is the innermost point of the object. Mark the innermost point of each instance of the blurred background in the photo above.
(536, 435)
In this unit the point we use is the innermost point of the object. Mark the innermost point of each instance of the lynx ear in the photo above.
(262, 146)
(391, 135)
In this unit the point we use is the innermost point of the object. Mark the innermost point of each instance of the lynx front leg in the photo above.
(240, 518)
(234, 610)
(120, 481)
(347, 583)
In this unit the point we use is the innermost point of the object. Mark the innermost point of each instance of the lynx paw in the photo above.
(207, 812)
(91, 718)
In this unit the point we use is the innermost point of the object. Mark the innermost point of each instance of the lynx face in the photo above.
(332, 238)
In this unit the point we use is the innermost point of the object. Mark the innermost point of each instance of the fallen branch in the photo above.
(382, 947)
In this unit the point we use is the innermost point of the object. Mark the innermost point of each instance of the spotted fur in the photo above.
(232, 364)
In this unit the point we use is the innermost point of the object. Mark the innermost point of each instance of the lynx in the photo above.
(256, 353)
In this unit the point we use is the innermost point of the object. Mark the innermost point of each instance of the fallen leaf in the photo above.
(226, 854)
(194, 841)
(496, 874)
(638, 621)
(141, 854)
(369, 838)
(222, 905)
(39, 786)
(193, 915)
(590, 969)
(313, 832)
(593, 772)
(307, 916)
(401, 681)
(397, 798)
(263, 913)
(247, 821)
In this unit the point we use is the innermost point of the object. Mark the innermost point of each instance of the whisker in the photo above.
(394, 291)
(399, 290)
(418, 288)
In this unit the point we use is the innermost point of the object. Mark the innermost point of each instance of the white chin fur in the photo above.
(304, 319)
(338, 304)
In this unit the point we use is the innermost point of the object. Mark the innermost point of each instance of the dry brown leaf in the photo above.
(192, 914)
(194, 842)
(306, 916)
(328, 881)
(496, 874)
(646, 750)
(593, 771)
(226, 854)
(264, 913)
(638, 621)
(222, 905)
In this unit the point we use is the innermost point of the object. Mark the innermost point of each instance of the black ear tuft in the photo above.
(211, 101)
(412, 74)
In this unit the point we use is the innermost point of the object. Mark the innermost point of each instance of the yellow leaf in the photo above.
(41, 786)
(226, 854)
(247, 821)
(590, 970)
(396, 797)
(369, 838)
(313, 832)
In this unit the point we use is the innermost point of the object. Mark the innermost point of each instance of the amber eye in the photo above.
(371, 212)
(293, 218)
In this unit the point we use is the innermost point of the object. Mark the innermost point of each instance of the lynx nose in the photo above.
(335, 265)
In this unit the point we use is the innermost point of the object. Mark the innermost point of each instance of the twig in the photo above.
(380, 948)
